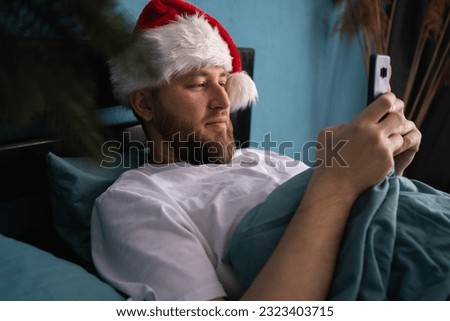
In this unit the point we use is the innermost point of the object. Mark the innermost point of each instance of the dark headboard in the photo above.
(25, 209)
(241, 119)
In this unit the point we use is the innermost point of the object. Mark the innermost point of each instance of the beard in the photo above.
(191, 145)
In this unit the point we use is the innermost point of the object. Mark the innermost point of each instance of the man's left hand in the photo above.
(411, 142)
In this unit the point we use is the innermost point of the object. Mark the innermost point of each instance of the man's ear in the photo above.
(141, 102)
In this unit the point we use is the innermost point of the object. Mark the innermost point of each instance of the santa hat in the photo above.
(174, 38)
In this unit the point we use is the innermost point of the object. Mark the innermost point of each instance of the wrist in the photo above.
(336, 186)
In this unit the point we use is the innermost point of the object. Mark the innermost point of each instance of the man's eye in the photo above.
(195, 86)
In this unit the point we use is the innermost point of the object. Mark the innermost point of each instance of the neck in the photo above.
(161, 153)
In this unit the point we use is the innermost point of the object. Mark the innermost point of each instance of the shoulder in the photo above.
(134, 191)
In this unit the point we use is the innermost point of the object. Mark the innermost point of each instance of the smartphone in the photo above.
(379, 76)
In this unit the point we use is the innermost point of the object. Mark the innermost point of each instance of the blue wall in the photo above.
(307, 77)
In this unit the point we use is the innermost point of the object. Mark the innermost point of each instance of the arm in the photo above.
(302, 265)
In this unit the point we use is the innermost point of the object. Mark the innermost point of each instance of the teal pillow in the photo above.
(75, 183)
(28, 273)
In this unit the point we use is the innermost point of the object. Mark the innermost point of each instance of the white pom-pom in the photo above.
(241, 90)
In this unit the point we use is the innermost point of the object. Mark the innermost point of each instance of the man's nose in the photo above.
(219, 97)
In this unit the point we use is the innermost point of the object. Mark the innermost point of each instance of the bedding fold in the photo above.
(396, 245)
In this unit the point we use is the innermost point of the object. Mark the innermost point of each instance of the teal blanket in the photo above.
(396, 245)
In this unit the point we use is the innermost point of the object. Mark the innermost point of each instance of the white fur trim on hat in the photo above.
(242, 90)
(174, 49)
(187, 43)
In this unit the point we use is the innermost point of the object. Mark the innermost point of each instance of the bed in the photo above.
(36, 261)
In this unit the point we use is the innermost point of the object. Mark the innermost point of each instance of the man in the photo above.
(160, 232)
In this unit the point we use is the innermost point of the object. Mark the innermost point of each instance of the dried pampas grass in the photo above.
(371, 22)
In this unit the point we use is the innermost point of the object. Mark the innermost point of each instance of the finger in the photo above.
(398, 106)
(411, 142)
(406, 127)
(394, 123)
(395, 142)
(379, 108)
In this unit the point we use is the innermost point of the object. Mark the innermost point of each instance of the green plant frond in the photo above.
(45, 73)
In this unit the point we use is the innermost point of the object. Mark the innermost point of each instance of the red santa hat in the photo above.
(174, 38)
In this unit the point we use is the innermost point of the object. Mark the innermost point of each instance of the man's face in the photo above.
(192, 114)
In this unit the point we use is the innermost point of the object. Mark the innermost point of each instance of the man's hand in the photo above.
(411, 142)
(367, 146)
(378, 139)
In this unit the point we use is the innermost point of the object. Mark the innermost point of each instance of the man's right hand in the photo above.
(372, 139)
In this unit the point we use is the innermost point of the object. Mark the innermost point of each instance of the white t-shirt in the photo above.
(160, 232)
